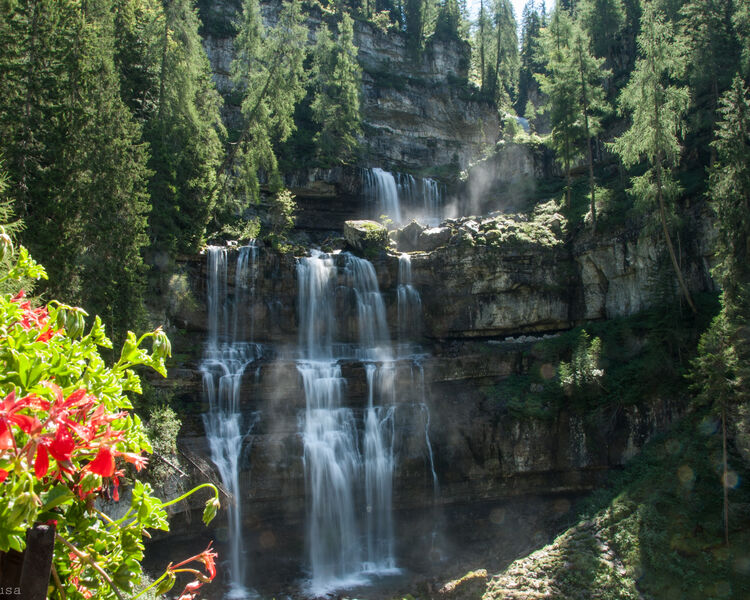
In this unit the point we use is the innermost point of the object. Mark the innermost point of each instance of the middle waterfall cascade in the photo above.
(401, 196)
(225, 359)
(409, 302)
(336, 465)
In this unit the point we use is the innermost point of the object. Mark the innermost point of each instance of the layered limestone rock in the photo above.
(417, 111)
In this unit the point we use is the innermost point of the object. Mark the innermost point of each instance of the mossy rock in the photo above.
(365, 237)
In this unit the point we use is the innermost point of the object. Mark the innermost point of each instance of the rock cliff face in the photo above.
(481, 280)
(419, 114)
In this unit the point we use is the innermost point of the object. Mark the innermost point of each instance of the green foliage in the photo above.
(496, 56)
(615, 363)
(603, 20)
(76, 164)
(730, 196)
(281, 220)
(336, 80)
(268, 70)
(65, 427)
(532, 57)
(448, 23)
(657, 106)
(184, 132)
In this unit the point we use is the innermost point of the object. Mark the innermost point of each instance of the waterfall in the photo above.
(381, 186)
(409, 301)
(402, 197)
(337, 465)
(225, 359)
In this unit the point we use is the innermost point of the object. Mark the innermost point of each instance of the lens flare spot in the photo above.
(497, 516)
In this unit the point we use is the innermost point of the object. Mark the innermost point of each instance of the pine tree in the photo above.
(415, 17)
(657, 107)
(505, 72)
(76, 164)
(561, 85)
(531, 55)
(604, 21)
(730, 194)
(268, 71)
(448, 23)
(590, 99)
(708, 34)
(337, 79)
(184, 132)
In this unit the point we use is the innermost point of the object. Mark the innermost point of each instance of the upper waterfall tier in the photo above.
(402, 197)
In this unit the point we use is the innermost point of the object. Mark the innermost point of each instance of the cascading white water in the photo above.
(336, 466)
(401, 196)
(409, 301)
(381, 185)
(225, 359)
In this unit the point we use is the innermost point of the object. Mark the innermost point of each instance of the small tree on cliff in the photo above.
(657, 107)
(337, 82)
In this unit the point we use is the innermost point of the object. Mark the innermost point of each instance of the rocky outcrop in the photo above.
(365, 237)
(417, 111)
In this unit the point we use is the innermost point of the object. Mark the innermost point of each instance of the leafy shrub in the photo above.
(65, 434)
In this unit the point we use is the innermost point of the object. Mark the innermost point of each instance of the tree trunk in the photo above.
(481, 45)
(588, 138)
(668, 238)
(724, 482)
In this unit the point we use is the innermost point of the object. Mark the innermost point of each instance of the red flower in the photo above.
(136, 460)
(41, 464)
(63, 445)
(104, 463)
(3, 475)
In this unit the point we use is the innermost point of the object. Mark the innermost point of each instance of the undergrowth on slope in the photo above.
(655, 532)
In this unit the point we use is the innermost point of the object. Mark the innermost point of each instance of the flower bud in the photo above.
(162, 346)
(212, 507)
(6, 245)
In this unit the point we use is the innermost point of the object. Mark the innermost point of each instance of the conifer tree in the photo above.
(590, 99)
(337, 82)
(415, 13)
(184, 132)
(531, 54)
(505, 73)
(603, 20)
(268, 71)
(481, 43)
(448, 23)
(709, 37)
(76, 165)
(730, 194)
(561, 85)
(657, 107)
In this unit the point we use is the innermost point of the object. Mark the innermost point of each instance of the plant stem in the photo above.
(87, 559)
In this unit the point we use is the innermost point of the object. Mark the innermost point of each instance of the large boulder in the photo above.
(433, 238)
(407, 237)
(365, 237)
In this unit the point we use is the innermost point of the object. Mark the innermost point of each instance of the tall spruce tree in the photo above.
(721, 370)
(561, 85)
(268, 71)
(337, 81)
(657, 106)
(76, 164)
(710, 39)
(590, 99)
(503, 80)
(531, 54)
(184, 131)
(603, 20)
(730, 194)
